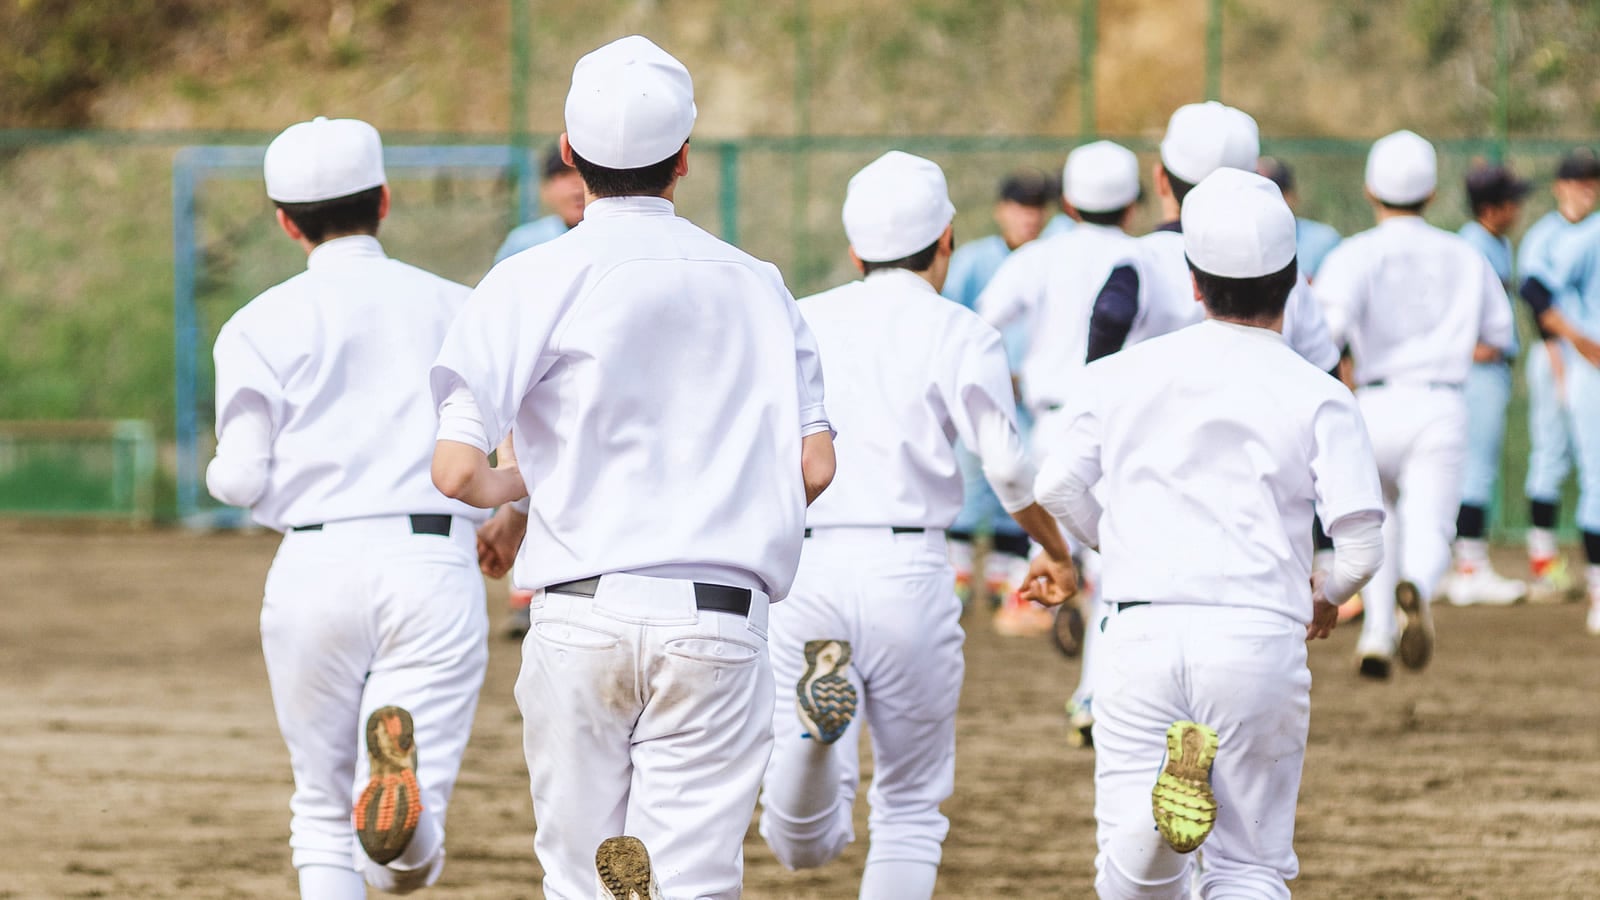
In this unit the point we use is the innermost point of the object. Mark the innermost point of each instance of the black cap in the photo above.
(1030, 187)
(1276, 171)
(1579, 164)
(553, 164)
(1488, 185)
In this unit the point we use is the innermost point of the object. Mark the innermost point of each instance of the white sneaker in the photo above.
(1593, 622)
(1483, 587)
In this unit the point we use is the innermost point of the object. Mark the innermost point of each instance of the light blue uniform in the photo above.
(1312, 241)
(1059, 223)
(531, 234)
(1572, 274)
(971, 267)
(1550, 441)
(1488, 388)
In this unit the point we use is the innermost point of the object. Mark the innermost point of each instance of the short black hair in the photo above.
(1029, 187)
(1113, 217)
(1276, 171)
(1415, 208)
(321, 220)
(1251, 299)
(920, 261)
(1180, 188)
(645, 181)
(1579, 164)
(552, 164)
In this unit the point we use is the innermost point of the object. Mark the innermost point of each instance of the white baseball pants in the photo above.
(644, 716)
(891, 596)
(359, 615)
(1241, 671)
(1419, 438)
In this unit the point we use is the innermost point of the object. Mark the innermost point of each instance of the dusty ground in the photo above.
(142, 759)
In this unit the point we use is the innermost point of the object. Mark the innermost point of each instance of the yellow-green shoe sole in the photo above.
(1184, 806)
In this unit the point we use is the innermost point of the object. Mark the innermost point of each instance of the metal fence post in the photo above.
(1502, 81)
(185, 273)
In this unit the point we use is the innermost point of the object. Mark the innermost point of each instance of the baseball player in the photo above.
(373, 623)
(665, 400)
(1576, 188)
(1312, 239)
(1570, 271)
(1495, 196)
(1049, 288)
(871, 623)
(1209, 449)
(561, 192)
(1025, 198)
(1417, 305)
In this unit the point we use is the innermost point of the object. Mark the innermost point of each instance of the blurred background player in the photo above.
(1576, 189)
(1205, 677)
(1312, 239)
(1025, 200)
(1048, 289)
(1571, 272)
(871, 623)
(1495, 196)
(1417, 305)
(373, 619)
(560, 192)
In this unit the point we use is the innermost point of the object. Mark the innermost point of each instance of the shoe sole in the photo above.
(1184, 806)
(825, 698)
(624, 868)
(387, 813)
(1376, 668)
(1416, 639)
(1068, 630)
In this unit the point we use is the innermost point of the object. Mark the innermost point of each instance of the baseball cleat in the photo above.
(826, 698)
(1552, 583)
(1375, 666)
(1184, 806)
(1416, 635)
(1592, 622)
(1080, 724)
(1483, 587)
(390, 806)
(1068, 630)
(623, 865)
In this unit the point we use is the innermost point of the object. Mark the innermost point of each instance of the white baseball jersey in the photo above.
(659, 382)
(1413, 301)
(1210, 448)
(1167, 302)
(900, 417)
(1050, 284)
(323, 410)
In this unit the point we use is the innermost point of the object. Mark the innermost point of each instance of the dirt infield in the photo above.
(142, 759)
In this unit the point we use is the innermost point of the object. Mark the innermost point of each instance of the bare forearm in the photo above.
(1042, 527)
(462, 471)
(817, 464)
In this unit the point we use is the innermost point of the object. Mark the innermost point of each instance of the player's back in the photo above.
(1214, 429)
(1413, 301)
(898, 354)
(349, 343)
(666, 393)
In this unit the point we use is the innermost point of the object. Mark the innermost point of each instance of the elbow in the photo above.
(236, 485)
(451, 478)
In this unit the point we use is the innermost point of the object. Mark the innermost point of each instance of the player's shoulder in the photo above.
(1320, 231)
(424, 280)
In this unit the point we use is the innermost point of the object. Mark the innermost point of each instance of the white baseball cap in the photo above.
(1204, 137)
(631, 105)
(896, 206)
(323, 159)
(1237, 225)
(1100, 177)
(1402, 169)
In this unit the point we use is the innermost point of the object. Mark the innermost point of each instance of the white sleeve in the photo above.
(1357, 554)
(807, 369)
(985, 418)
(1340, 291)
(1495, 325)
(1072, 468)
(1343, 469)
(498, 348)
(460, 421)
(1305, 329)
(249, 408)
(1012, 294)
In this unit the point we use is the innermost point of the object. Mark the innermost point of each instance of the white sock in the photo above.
(331, 883)
(1541, 544)
(1594, 583)
(898, 880)
(1471, 554)
(805, 792)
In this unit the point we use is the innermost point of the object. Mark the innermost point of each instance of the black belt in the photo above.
(421, 523)
(713, 597)
(1434, 385)
(1123, 607)
(897, 529)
